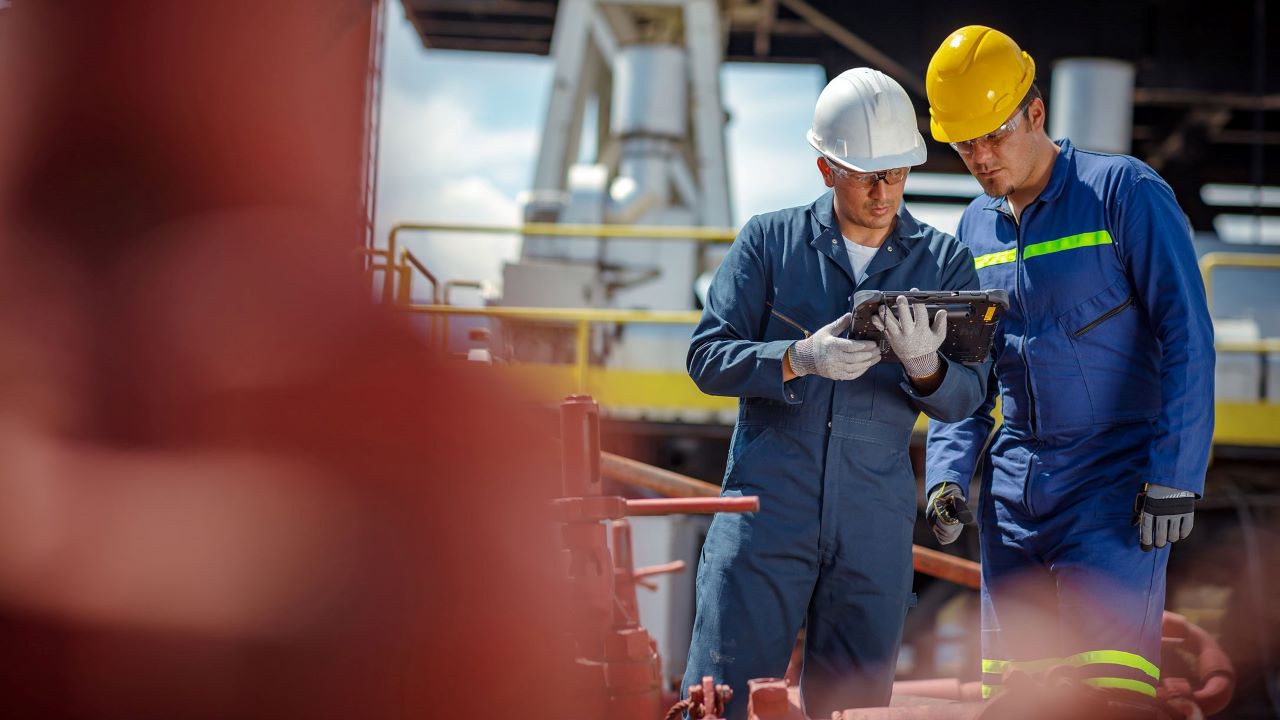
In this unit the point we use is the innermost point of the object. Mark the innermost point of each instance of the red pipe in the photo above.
(668, 506)
(946, 567)
(1217, 681)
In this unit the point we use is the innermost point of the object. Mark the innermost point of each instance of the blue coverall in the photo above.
(830, 548)
(1105, 377)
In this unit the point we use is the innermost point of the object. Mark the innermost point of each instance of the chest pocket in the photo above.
(1115, 352)
(784, 323)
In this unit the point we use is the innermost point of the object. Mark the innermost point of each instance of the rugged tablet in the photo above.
(972, 318)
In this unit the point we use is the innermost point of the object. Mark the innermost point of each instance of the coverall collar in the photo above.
(1057, 178)
(827, 238)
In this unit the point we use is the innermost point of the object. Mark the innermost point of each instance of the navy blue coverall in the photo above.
(830, 548)
(1105, 369)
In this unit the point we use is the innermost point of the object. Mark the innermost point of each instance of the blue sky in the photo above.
(460, 134)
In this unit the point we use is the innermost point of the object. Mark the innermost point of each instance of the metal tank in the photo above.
(1093, 103)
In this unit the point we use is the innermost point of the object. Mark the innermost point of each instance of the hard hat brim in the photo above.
(915, 156)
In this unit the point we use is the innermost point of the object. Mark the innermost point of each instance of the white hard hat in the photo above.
(864, 121)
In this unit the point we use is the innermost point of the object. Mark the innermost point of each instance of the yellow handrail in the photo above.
(1266, 345)
(408, 261)
(590, 315)
(1213, 260)
(583, 318)
(451, 284)
(632, 232)
(621, 232)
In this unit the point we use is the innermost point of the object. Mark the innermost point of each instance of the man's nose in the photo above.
(982, 153)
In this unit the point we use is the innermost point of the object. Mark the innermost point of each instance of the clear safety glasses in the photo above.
(892, 176)
(992, 139)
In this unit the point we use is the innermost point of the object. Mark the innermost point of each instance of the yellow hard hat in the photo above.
(975, 81)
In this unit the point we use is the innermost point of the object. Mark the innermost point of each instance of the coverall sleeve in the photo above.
(727, 355)
(956, 438)
(953, 450)
(1155, 244)
(963, 387)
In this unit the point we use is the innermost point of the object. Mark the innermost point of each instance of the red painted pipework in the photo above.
(946, 567)
(667, 506)
(1217, 681)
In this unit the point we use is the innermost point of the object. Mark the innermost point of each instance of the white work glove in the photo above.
(827, 354)
(912, 338)
(947, 513)
(1164, 514)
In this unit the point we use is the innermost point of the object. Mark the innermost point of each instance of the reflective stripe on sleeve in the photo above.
(995, 258)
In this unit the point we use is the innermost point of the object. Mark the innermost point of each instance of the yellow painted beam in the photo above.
(1250, 424)
(1237, 423)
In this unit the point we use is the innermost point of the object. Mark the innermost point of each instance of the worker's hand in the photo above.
(947, 513)
(912, 338)
(1163, 514)
(827, 354)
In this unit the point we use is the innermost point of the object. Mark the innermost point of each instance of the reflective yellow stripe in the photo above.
(1102, 683)
(1122, 684)
(1070, 242)
(1116, 657)
(994, 666)
(995, 258)
(1091, 657)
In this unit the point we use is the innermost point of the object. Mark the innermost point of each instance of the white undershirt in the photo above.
(859, 257)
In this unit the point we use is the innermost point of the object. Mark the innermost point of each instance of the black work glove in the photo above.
(947, 513)
(1163, 514)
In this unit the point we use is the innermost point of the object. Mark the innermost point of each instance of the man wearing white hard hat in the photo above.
(823, 426)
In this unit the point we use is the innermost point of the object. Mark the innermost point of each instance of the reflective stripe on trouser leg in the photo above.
(1110, 669)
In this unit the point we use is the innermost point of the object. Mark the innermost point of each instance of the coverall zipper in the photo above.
(788, 320)
(1022, 349)
(1105, 317)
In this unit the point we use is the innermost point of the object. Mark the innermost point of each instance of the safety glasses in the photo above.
(892, 176)
(992, 139)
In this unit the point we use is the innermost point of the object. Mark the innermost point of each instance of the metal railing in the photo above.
(1257, 261)
(401, 265)
(1245, 421)
(582, 318)
(619, 232)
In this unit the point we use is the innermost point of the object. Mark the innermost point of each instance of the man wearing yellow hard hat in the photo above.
(1104, 370)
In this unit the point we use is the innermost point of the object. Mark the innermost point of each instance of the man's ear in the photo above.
(1037, 113)
(825, 169)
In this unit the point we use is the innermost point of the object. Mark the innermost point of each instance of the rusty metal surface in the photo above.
(618, 664)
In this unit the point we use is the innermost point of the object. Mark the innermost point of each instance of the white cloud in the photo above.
(439, 165)
(465, 256)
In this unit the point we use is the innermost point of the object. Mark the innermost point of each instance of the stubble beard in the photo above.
(997, 187)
